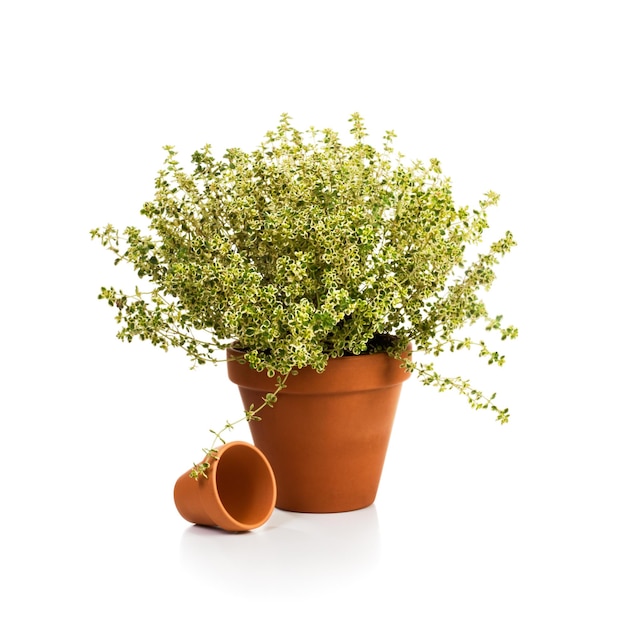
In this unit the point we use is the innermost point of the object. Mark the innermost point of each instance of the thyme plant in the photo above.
(310, 248)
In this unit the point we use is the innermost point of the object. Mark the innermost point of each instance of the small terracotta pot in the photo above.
(239, 493)
(327, 435)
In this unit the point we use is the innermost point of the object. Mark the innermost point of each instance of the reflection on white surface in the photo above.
(314, 549)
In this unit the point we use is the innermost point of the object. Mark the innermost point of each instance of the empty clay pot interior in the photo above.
(245, 484)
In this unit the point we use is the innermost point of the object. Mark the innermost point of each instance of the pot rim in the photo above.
(342, 374)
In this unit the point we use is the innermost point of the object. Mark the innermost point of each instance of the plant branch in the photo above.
(252, 414)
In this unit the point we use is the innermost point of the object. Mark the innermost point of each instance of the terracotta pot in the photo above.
(327, 435)
(238, 494)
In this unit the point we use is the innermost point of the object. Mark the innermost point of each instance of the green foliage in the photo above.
(308, 248)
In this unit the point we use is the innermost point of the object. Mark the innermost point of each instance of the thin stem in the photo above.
(251, 415)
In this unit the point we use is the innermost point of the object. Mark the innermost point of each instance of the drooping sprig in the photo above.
(250, 415)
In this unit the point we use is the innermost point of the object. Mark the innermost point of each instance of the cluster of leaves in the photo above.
(308, 248)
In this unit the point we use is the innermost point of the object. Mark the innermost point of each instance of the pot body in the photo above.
(238, 494)
(327, 435)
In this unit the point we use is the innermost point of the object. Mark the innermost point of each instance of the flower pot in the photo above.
(326, 436)
(238, 494)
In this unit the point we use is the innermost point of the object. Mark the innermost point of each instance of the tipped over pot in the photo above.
(237, 494)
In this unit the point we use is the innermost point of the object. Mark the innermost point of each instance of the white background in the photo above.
(475, 523)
